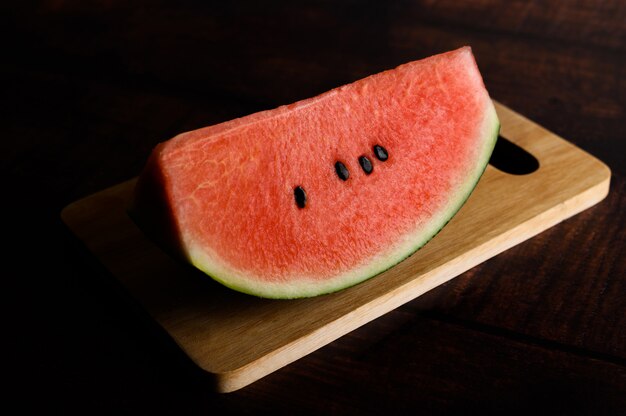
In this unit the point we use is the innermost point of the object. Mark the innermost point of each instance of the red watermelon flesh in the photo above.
(224, 196)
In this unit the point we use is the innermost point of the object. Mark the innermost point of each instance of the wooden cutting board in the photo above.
(238, 338)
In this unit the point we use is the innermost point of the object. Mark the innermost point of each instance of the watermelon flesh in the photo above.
(225, 197)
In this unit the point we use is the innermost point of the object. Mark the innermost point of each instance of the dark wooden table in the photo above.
(91, 88)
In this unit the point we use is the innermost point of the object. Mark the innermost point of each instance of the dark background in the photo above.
(89, 89)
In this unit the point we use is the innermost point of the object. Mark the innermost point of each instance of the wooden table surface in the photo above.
(91, 88)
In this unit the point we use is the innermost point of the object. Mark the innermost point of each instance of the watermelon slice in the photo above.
(322, 194)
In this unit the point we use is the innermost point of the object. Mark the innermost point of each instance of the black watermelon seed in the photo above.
(300, 196)
(366, 165)
(381, 153)
(342, 171)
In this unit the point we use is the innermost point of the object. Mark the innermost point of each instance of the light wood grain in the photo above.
(239, 339)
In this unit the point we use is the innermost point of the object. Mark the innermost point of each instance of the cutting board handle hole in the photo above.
(510, 158)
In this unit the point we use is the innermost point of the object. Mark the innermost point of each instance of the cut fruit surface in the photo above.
(322, 194)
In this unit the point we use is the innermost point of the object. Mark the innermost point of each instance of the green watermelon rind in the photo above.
(383, 262)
